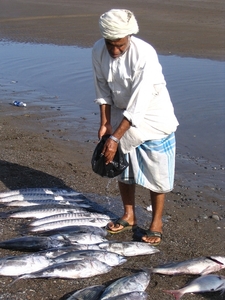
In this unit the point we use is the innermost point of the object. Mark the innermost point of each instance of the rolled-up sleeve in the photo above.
(102, 90)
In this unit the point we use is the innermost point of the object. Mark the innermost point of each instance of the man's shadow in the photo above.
(15, 176)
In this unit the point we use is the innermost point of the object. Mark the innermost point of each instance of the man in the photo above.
(137, 112)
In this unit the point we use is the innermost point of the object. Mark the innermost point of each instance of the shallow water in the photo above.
(60, 77)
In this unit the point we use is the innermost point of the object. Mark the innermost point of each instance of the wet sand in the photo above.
(33, 156)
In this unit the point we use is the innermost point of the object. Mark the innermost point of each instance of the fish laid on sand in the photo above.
(34, 243)
(26, 203)
(128, 248)
(205, 283)
(73, 269)
(69, 216)
(97, 222)
(56, 191)
(42, 211)
(110, 258)
(76, 229)
(20, 264)
(196, 266)
(137, 282)
(55, 252)
(88, 293)
(34, 196)
(131, 296)
(80, 238)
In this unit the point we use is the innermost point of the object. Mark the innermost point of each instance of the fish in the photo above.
(128, 248)
(56, 191)
(196, 266)
(137, 282)
(20, 264)
(34, 243)
(42, 211)
(97, 222)
(68, 216)
(34, 196)
(110, 258)
(204, 283)
(80, 238)
(77, 229)
(25, 203)
(88, 293)
(131, 296)
(55, 252)
(71, 270)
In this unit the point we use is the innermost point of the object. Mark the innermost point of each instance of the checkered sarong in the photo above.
(152, 165)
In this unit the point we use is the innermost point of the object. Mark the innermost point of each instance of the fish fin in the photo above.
(18, 278)
(176, 293)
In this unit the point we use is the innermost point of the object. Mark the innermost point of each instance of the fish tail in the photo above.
(18, 278)
(176, 293)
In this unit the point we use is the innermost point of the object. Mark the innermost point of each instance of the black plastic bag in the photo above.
(113, 169)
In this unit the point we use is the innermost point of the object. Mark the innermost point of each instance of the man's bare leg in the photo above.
(157, 201)
(127, 192)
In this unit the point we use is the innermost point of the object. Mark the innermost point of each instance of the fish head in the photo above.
(219, 259)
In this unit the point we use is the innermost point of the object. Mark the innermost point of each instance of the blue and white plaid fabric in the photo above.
(152, 165)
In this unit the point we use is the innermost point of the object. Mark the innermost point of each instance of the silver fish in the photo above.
(43, 211)
(55, 252)
(131, 296)
(20, 264)
(35, 196)
(201, 265)
(73, 269)
(45, 202)
(137, 282)
(110, 258)
(128, 248)
(205, 283)
(59, 224)
(80, 238)
(56, 191)
(77, 229)
(34, 243)
(68, 216)
(88, 293)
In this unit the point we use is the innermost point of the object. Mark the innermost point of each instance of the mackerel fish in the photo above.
(20, 264)
(55, 191)
(97, 222)
(25, 203)
(204, 283)
(110, 258)
(80, 238)
(196, 266)
(68, 216)
(43, 211)
(137, 282)
(129, 248)
(34, 243)
(73, 269)
(88, 293)
(131, 296)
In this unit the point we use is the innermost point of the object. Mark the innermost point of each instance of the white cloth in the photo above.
(117, 23)
(134, 86)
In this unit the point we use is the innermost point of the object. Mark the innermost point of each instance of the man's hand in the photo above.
(109, 150)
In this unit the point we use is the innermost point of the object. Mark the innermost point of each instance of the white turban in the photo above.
(117, 23)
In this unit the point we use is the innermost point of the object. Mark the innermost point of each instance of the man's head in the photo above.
(117, 24)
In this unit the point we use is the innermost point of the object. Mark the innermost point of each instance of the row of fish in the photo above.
(73, 245)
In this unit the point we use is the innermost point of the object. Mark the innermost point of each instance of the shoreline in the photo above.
(37, 153)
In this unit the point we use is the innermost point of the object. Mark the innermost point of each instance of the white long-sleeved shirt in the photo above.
(134, 85)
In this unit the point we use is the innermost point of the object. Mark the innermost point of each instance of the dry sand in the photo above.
(31, 156)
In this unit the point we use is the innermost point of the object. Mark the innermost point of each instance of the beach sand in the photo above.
(31, 156)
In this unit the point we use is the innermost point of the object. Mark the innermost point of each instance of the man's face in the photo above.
(117, 47)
